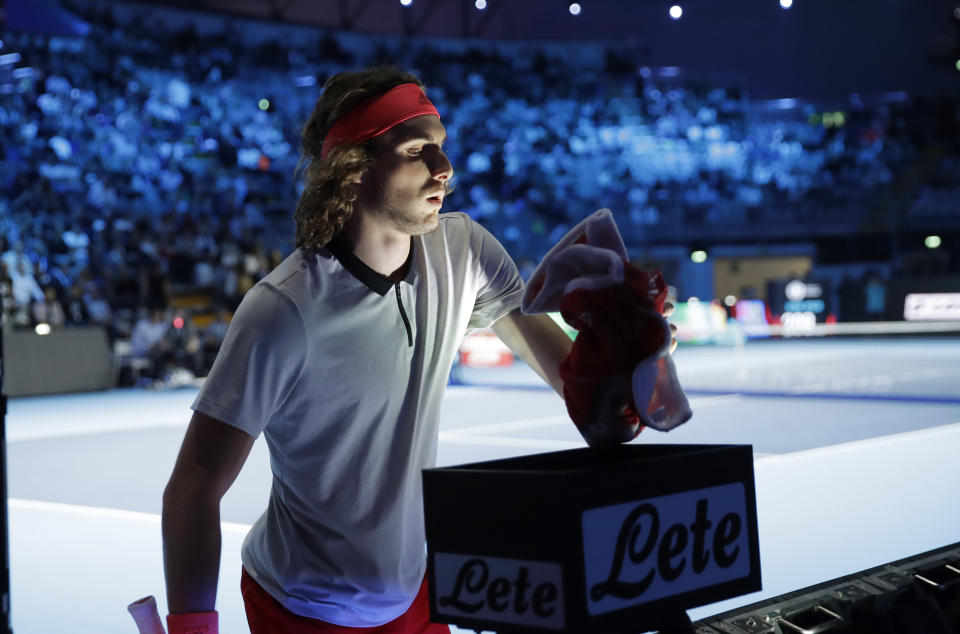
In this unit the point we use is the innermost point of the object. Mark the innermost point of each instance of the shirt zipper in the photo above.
(403, 313)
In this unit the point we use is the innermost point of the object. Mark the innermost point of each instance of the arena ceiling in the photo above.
(551, 19)
(511, 19)
(816, 49)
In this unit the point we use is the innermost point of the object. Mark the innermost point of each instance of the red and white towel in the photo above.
(622, 350)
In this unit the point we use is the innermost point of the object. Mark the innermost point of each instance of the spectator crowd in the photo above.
(147, 162)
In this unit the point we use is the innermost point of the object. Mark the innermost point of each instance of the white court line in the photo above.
(79, 428)
(108, 513)
(461, 391)
(710, 401)
(74, 428)
(510, 425)
(505, 441)
(551, 421)
(871, 381)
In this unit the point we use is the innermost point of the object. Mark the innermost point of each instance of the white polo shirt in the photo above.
(343, 371)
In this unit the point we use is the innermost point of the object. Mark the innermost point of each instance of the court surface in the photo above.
(855, 442)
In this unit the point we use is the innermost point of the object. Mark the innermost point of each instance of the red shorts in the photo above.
(267, 616)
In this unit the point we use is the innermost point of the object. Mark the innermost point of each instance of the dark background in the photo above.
(818, 49)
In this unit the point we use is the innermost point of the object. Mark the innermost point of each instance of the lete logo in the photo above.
(497, 589)
(651, 549)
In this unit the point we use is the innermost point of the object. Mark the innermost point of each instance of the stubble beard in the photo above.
(413, 223)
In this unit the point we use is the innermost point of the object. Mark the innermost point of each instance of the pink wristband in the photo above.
(193, 623)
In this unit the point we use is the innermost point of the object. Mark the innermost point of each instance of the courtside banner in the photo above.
(617, 540)
(636, 552)
(502, 590)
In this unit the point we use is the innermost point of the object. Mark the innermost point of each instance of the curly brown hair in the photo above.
(326, 203)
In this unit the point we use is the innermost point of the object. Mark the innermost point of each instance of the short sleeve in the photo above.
(259, 363)
(500, 287)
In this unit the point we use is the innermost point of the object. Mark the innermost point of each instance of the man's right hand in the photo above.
(613, 419)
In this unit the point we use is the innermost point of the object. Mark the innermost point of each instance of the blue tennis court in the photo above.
(855, 445)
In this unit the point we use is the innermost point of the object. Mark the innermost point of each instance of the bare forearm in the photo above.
(191, 553)
(539, 341)
(210, 458)
(546, 359)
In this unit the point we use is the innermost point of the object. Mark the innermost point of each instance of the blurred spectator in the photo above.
(49, 310)
(125, 290)
(154, 286)
(9, 305)
(148, 338)
(97, 308)
(141, 163)
(875, 293)
(213, 336)
(16, 258)
(182, 346)
(76, 309)
(25, 288)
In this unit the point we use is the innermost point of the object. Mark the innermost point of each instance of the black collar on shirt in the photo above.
(340, 247)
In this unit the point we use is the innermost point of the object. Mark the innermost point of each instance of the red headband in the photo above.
(375, 116)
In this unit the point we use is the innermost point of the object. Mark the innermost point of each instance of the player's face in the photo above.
(405, 186)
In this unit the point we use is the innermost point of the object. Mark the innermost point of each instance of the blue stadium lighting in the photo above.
(480, 4)
(574, 8)
(676, 12)
(9, 58)
(784, 104)
(786, 4)
(895, 97)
